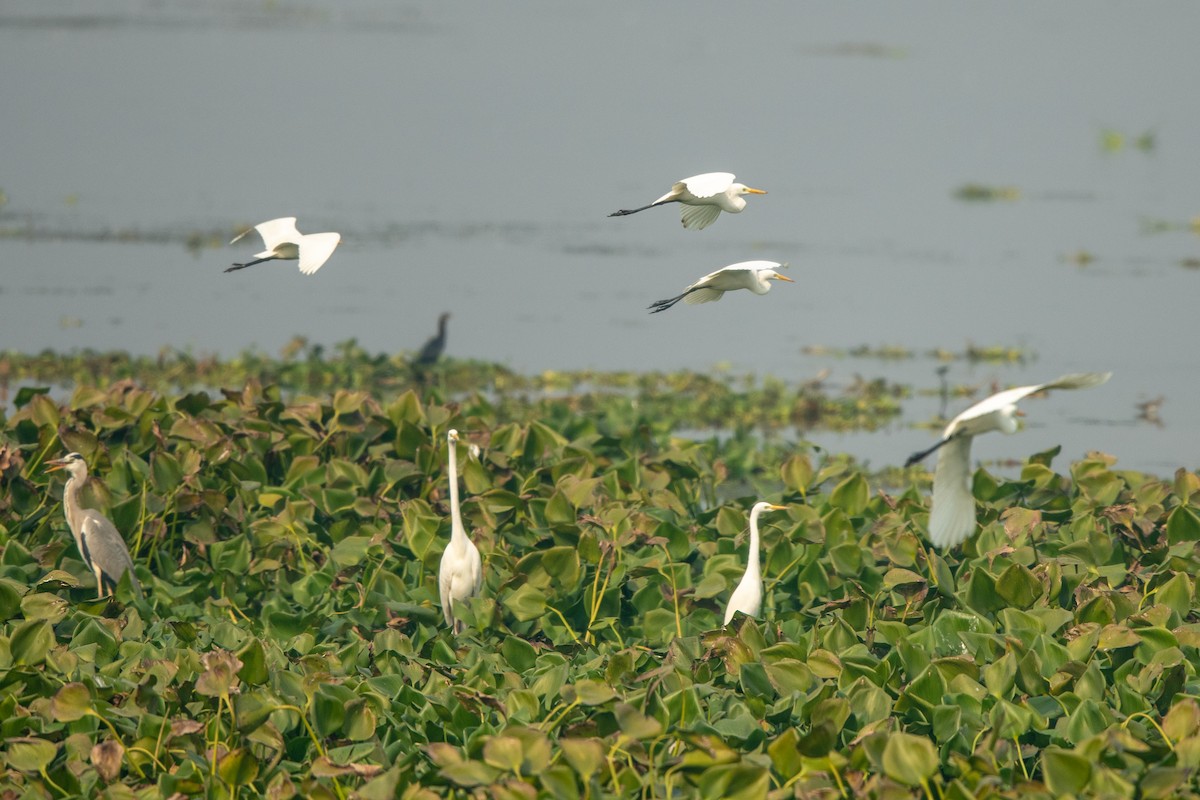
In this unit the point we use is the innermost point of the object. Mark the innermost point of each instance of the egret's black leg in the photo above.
(250, 263)
(663, 305)
(624, 211)
(915, 457)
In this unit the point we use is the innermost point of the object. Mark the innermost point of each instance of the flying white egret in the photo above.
(753, 275)
(703, 198)
(103, 550)
(747, 597)
(952, 513)
(282, 240)
(460, 576)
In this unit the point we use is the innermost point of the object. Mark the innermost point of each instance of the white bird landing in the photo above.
(753, 275)
(283, 241)
(952, 513)
(703, 198)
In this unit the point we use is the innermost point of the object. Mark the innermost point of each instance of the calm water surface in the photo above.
(470, 153)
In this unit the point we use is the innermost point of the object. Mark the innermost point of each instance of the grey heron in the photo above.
(103, 550)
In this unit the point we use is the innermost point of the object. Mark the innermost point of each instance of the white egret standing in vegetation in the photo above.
(952, 510)
(747, 597)
(460, 576)
(282, 240)
(103, 550)
(753, 275)
(703, 198)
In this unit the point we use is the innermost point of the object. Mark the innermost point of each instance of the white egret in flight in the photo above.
(460, 576)
(703, 198)
(747, 597)
(952, 513)
(103, 550)
(282, 240)
(753, 275)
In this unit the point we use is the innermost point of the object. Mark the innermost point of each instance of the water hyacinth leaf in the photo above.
(1183, 525)
(851, 495)
(526, 603)
(30, 642)
(734, 782)
(1066, 773)
(1019, 586)
(585, 756)
(106, 758)
(29, 754)
(911, 760)
(219, 678)
(72, 702)
(237, 767)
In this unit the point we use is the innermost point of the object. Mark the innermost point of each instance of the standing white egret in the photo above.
(460, 576)
(103, 550)
(952, 512)
(753, 275)
(282, 240)
(747, 597)
(703, 198)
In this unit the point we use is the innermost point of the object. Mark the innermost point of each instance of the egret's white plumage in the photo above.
(952, 514)
(97, 539)
(753, 275)
(283, 241)
(747, 597)
(703, 198)
(460, 575)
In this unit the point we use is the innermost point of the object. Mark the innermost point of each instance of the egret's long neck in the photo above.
(457, 531)
(752, 560)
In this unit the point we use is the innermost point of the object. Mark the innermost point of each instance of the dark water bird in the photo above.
(98, 540)
(283, 241)
(703, 198)
(753, 275)
(460, 575)
(952, 510)
(432, 350)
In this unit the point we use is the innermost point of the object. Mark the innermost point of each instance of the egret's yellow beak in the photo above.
(779, 277)
(778, 508)
(754, 191)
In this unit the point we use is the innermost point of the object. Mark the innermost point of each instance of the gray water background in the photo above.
(469, 154)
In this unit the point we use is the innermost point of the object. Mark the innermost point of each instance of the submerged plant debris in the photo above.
(287, 518)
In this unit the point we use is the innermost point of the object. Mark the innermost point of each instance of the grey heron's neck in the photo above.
(71, 506)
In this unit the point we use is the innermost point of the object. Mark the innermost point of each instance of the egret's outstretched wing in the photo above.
(315, 250)
(952, 517)
(698, 217)
(277, 231)
(708, 184)
(1000, 400)
(705, 295)
(1077, 380)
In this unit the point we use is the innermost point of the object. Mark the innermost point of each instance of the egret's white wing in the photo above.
(445, 581)
(708, 184)
(995, 402)
(952, 516)
(277, 231)
(698, 217)
(704, 296)
(315, 250)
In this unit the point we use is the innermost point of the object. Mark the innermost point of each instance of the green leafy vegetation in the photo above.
(287, 518)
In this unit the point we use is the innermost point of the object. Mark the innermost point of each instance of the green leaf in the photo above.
(584, 755)
(909, 759)
(1065, 772)
(30, 642)
(72, 702)
(30, 754)
(254, 663)
(851, 495)
(1019, 586)
(237, 767)
(1183, 525)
